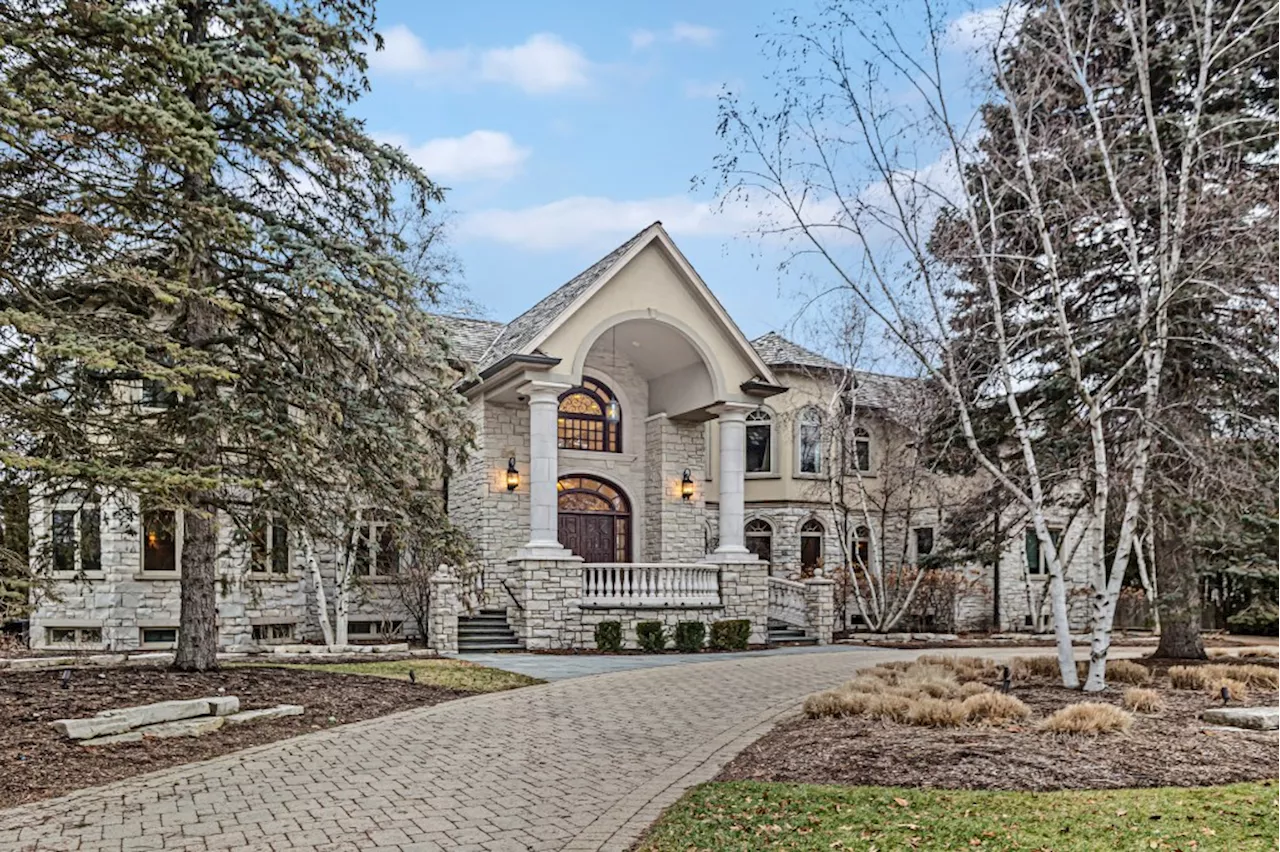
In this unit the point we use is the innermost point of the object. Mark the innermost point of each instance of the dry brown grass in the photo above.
(1235, 689)
(1203, 677)
(964, 669)
(994, 708)
(1026, 667)
(1088, 717)
(936, 713)
(972, 688)
(1142, 700)
(891, 708)
(1127, 671)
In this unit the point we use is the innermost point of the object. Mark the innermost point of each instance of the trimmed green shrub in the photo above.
(731, 634)
(651, 636)
(1259, 618)
(609, 636)
(690, 635)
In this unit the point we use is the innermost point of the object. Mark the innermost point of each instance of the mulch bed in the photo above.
(1172, 749)
(39, 763)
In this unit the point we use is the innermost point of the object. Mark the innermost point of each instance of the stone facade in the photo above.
(674, 526)
(442, 620)
(819, 609)
(744, 591)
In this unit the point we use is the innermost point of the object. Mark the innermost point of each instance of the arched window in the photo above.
(862, 547)
(860, 451)
(759, 538)
(809, 441)
(590, 419)
(759, 441)
(811, 533)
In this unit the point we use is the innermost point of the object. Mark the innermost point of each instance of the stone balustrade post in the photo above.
(820, 609)
(442, 618)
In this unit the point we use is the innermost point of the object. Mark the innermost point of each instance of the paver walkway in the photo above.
(579, 764)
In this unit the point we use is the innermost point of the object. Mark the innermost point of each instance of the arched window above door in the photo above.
(594, 519)
(590, 418)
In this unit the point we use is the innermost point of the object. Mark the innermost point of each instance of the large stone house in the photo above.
(637, 458)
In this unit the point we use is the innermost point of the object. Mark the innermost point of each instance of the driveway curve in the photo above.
(578, 764)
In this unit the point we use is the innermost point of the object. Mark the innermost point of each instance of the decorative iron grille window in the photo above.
(583, 423)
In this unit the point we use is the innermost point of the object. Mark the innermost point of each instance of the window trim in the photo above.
(255, 626)
(77, 527)
(375, 527)
(916, 555)
(861, 436)
(376, 637)
(767, 419)
(748, 534)
(77, 630)
(157, 646)
(820, 534)
(808, 416)
(256, 569)
(602, 394)
(179, 530)
(1030, 536)
(861, 536)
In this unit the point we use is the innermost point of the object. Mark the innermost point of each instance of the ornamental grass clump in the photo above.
(1236, 691)
(994, 708)
(936, 713)
(1025, 667)
(1127, 671)
(972, 688)
(1203, 677)
(1142, 700)
(1088, 717)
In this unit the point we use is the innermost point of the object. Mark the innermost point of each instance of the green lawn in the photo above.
(748, 815)
(451, 674)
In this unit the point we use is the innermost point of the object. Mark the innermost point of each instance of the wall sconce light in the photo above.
(686, 485)
(513, 475)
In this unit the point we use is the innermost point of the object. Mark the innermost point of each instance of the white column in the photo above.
(732, 477)
(544, 532)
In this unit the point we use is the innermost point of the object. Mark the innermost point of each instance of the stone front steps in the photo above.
(781, 633)
(184, 718)
(487, 630)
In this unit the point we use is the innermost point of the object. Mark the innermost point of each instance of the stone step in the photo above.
(488, 644)
(484, 628)
(466, 648)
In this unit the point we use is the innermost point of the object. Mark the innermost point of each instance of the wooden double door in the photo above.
(594, 519)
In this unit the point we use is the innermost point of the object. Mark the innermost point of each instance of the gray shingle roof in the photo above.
(470, 337)
(523, 329)
(874, 390)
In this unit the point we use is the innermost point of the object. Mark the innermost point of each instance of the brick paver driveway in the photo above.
(577, 764)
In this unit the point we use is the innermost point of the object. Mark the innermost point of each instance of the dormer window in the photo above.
(590, 418)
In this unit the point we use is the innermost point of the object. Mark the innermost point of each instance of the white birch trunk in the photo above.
(317, 586)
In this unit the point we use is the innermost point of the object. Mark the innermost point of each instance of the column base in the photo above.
(730, 554)
(544, 550)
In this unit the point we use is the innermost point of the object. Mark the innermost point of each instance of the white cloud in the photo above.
(542, 64)
(404, 53)
(980, 28)
(640, 39)
(592, 221)
(694, 34)
(679, 33)
(479, 155)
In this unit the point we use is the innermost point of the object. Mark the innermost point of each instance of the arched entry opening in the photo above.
(594, 519)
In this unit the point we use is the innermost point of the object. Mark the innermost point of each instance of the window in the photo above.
(862, 547)
(590, 419)
(269, 634)
(860, 454)
(759, 538)
(377, 553)
(811, 532)
(922, 540)
(159, 636)
(809, 441)
(1037, 560)
(373, 631)
(759, 441)
(73, 635)
(269, 547)
(156, 395)
(161, 540)
(77, 540)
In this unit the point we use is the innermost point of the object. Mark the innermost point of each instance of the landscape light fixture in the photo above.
(513, 475)
(686, 485)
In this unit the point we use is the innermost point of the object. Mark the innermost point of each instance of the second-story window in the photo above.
(590, 418)
(809, 441)
(759, 441)
(77, 539)
(377, 553)
(269, 546)
(860, 451)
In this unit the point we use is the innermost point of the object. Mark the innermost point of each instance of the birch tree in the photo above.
(962, 230)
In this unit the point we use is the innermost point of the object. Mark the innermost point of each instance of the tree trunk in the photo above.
(1179, 600)
(317, 588)
(198, 616)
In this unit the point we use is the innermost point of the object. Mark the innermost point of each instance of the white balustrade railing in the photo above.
(786, 601)
(649, 584)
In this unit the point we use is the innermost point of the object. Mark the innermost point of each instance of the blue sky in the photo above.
(561, 127)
